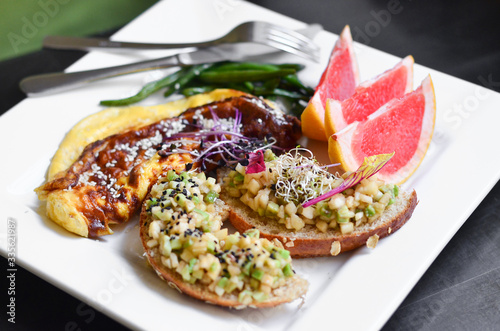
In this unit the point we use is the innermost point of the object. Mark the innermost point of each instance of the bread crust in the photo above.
(309, 241)
(296, 287)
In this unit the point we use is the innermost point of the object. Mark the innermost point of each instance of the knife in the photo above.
(60, 81)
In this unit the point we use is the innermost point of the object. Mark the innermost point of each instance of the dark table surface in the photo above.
(461, 289)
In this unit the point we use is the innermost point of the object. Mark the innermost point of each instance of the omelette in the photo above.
(108, 181)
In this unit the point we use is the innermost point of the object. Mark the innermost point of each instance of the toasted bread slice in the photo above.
(294, 288)
(309, 241)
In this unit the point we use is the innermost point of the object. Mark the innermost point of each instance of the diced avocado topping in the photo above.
(175, 243)
(232, 240)
(246, 268)
(253, 233)
(259, 296)
(185, 273)
(185, 176)
(343, 212)
(192, 262)
(197, 248)
(211, 196)
(151, 202)
(204, 214)
(238, 178)
(324, 210)
(293, 179)
(342, 219)
(272, 208)
(166, 248)
(172, 175)
(287, 270)
(242, 297)
(211, 247)
(181, 199)
(230, 287)
(269, 155)
(370, 211)
(284, 254)
(187, 243)
(257, 274)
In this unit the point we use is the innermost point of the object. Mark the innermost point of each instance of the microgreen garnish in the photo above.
(371, 165)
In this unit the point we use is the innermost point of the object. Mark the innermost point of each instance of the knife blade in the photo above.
(60, 81)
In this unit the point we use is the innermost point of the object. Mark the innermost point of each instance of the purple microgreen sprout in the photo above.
(371, 165)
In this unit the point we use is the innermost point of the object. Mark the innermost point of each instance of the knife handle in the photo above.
(89, 44)
(61, 81)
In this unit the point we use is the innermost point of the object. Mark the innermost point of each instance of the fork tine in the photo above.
(292, 35)
(286, 40)
(292, 50)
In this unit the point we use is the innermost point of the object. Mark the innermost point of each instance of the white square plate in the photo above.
(111, 274)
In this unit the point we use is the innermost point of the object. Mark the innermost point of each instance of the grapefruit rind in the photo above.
(313, 117)
(340, 144)
(333, 117)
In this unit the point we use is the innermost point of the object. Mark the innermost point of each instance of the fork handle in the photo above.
(87, 44)
(61, 81)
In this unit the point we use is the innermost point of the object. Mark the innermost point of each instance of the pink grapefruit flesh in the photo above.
(404, 126)
(369, 96)
(338, 82)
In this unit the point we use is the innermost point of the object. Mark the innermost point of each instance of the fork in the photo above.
(256, 31)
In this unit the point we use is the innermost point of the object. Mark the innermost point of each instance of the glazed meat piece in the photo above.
(108, 182)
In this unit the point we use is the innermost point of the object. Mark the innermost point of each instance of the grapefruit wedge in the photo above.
(369, 96)
(338, 82)
(403, 126)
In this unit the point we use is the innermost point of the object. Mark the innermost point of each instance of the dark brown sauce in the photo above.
(117, 159)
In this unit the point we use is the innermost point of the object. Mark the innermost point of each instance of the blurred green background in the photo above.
(24, 23)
